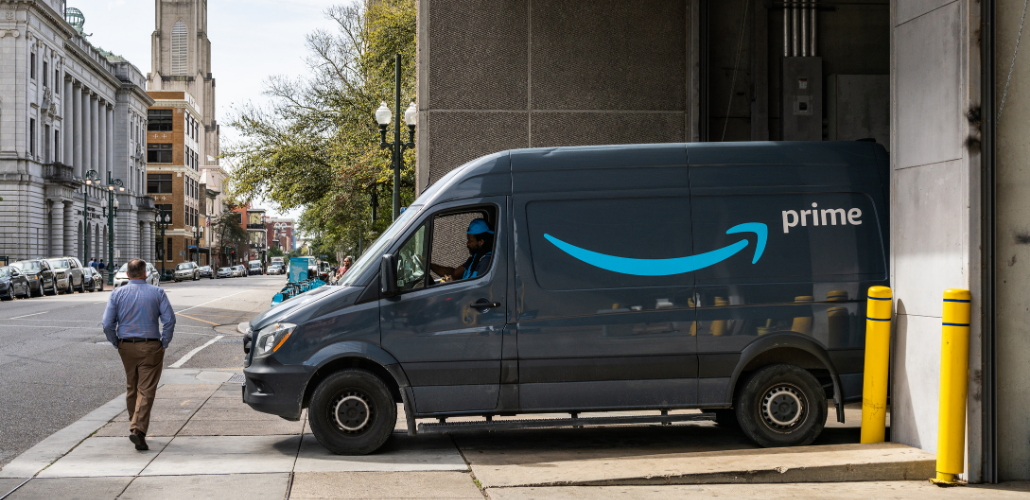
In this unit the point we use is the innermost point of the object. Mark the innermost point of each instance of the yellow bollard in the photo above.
(877, 360)
(951, 424)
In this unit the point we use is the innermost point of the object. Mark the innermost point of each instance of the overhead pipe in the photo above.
(814, 24)
(794, 29)
(786, 30)
(804, 28)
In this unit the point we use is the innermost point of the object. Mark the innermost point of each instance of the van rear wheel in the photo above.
(352, 413)
(781, 405)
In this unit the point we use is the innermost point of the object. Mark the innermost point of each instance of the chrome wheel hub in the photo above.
(783, 407)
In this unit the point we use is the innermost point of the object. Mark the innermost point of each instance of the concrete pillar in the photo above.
(76, 133)
(94, 136)
(102, 140)
(109, 146)
(935, 218)
(86, 131)
(56, 228)
(68, 123)
(71, 240)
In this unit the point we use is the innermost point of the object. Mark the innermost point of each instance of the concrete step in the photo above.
(825, 463)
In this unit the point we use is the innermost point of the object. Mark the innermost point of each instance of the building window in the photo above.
(159, 153)
(171, 250)
(46, 73)
(57, 82)
(46, 143)
(32, 65)
(32, 138)
(159, 120)
(57, 145)
(180, 48)
(159, 184)
(163, 210)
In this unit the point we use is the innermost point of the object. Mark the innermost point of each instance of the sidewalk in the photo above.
(206, 443)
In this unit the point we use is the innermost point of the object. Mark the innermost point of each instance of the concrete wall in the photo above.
(1013, 247)
(501, 74)
(935, 207)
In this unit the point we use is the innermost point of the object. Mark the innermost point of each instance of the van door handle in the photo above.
(485, 304)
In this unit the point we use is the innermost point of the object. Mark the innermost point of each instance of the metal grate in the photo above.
(236, 379)
(180, 48)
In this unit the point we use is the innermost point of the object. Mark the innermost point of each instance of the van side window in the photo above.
(463, 245)
(411, 258)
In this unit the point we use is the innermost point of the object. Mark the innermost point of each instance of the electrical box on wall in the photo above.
(802, 99)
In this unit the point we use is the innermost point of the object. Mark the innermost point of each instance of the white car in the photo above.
(187, 271)
(122, 276)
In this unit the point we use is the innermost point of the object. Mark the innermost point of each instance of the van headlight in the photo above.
(272, 337)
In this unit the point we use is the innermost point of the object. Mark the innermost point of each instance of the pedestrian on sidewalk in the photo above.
(131, 325)
(100, 267)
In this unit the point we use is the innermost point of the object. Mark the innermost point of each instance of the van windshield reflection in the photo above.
(371, 256)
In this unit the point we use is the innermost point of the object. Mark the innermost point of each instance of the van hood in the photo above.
(307, 305)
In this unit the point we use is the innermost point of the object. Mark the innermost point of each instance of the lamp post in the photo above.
(112, 212)
(91, 177)
(163, 221)
(198, 231)
(397, 148)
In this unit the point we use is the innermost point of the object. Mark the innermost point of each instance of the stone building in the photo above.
(68, 108)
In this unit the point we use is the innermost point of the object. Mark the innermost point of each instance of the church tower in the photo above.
(181, 61)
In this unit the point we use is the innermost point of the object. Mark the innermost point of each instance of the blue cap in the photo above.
(479, 226)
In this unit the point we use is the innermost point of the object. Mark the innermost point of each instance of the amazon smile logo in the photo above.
(668, 267)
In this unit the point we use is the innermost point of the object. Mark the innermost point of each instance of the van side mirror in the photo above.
(388, 275)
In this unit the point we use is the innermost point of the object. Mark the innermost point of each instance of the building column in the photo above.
(86, 131)
(56, 228)
(102, 139)
(76, 133)
(71, 241)
(68, 124)
(94, 136)
(109, 146)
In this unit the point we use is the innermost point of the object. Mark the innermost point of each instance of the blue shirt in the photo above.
(133, 311)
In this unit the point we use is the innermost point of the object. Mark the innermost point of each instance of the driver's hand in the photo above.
(447, 278)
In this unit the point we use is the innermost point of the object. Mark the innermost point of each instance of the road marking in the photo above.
(27, 315)
(214, 300)
(184, 359)
(196, 319)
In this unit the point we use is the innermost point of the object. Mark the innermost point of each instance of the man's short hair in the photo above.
(137, 269)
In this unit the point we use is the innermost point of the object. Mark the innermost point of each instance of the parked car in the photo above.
(94, 280)
(206, 272)
(238, 271)
(649, 277)
(187, 271)
(40, 276)
(323, 271)
(13, 283)
(68, 274)
(122, 276)
(254, 267)
(275, 268)
(225, 272)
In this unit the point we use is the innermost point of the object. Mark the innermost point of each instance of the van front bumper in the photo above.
(275, 388)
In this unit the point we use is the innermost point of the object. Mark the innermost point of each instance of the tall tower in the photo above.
(181, 61)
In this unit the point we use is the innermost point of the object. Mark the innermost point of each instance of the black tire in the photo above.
(53, 287)
(39, 289)
(371, 413)
(781, 405)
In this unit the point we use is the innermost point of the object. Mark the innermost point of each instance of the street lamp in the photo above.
(112, 212)
(383, 117)
(91, 177)
(163, 221)
(198, 231)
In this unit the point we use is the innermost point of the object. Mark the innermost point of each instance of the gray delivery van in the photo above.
(726, 277)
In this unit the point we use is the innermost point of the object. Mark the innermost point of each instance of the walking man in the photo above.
(100, 267)
(131, 325)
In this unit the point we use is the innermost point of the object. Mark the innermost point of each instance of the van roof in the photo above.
(584, 168)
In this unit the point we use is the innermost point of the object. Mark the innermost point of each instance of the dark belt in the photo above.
(139, 340)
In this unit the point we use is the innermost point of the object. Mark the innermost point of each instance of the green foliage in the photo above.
(228, 231)
(275, 252)
(317, 145)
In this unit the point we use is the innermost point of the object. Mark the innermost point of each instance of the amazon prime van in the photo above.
(725, 277)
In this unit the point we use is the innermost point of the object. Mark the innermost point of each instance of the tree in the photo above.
(317, 145)
(228, 231)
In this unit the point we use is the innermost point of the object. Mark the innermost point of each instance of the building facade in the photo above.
(257, 234)
(68, 110)
(173, 176)
(280, 234)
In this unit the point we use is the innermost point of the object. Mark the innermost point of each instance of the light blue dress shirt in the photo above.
(133, 312)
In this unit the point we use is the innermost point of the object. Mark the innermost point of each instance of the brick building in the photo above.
(280, 234)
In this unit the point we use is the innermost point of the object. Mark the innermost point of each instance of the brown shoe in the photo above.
(139, 439)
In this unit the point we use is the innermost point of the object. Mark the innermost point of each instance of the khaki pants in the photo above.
(143, 362)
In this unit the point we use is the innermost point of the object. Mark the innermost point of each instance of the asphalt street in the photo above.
(56, 364)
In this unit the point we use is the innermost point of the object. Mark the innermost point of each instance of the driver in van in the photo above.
(480, 241)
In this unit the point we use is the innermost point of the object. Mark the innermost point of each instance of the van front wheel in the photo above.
(781, 405)
(352, 413)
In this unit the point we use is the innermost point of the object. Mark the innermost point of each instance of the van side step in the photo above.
(559, 423)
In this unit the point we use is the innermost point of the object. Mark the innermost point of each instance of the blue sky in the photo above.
(251, 40)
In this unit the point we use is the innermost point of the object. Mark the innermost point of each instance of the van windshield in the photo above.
(371, 256)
